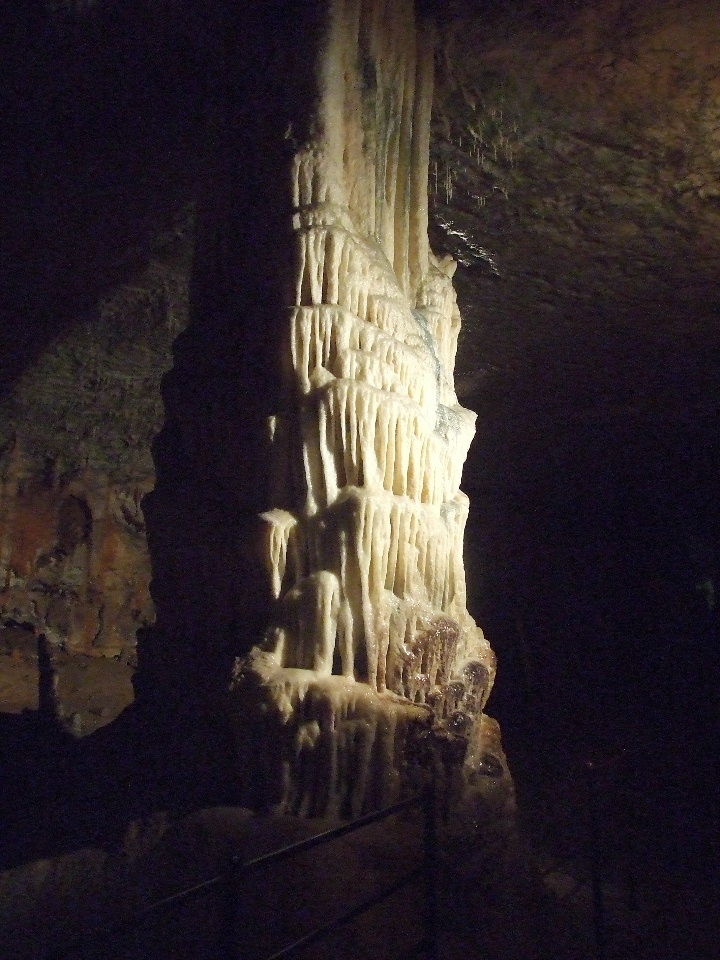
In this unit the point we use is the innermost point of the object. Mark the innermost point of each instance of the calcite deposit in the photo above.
(369, 642)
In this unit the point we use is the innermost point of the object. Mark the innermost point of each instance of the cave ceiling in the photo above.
(574, 175)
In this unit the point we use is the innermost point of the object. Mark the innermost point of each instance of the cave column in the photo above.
(312, 454)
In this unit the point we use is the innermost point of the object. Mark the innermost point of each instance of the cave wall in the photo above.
(571, 175)
(77, 429)
(105, 124)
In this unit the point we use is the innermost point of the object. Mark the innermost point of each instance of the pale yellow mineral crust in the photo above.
(370, 635)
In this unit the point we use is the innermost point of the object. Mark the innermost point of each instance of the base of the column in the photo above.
(316, 746)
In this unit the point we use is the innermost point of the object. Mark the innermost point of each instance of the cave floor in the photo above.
(656, 799)
(78, 848)
(498, 912)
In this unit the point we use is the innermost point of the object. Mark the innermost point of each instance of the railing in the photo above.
(624, 850)
(617, 764)
(597, 841)
(230, 880)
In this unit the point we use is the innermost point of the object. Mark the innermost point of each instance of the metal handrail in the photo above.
(622, 758)
(238, 870)
(327, 928)
(300, 846)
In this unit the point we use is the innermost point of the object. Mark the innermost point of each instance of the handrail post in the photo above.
(231, 908)
(595, 862)
(431, 870)
(630, 818)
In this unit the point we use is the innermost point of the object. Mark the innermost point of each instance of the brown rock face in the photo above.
(75, 463)
(74, 559)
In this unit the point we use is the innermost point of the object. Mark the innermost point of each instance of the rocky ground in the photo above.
(83, 845)
(490, 901)
(86, 839)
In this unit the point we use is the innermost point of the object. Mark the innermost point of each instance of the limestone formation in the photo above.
(369, 641)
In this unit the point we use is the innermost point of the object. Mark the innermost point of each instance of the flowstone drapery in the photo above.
(369, 644)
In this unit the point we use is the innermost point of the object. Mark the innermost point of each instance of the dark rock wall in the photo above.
(104, 123)
(76, 436)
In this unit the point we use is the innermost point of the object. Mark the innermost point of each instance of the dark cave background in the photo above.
(593, 478)
(572, 175)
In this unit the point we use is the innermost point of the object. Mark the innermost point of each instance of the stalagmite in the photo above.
(369, 642)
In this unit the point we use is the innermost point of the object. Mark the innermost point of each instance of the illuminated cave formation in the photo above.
(370, 641)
